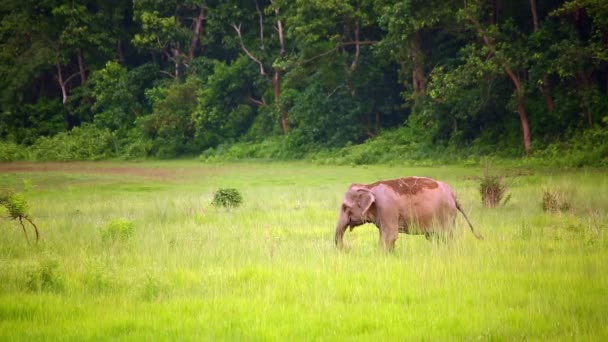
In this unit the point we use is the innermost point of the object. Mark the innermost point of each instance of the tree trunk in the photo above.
(418, 80)
(64, 91)
(546, 90)
(121, 53)
(83, 74)
(276, 80)
(261, 23)
(534, 14)
(584, 89)
(198, 28)
(176, 56)
(544, 87)
(523, 117)
(276, 84)
(521, 109)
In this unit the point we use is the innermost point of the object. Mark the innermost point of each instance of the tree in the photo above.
(507, 55)
(263, 58)
(411, 26)
(171, 30)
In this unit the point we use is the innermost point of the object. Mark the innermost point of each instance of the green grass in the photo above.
(268, 270)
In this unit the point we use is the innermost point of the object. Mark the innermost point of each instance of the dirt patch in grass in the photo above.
(94, 168)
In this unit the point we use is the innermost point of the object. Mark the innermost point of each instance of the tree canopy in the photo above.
(185, 77)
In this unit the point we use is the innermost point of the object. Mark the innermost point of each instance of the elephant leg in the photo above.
(388, 237)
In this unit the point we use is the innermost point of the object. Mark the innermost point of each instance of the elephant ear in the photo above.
(365, 200)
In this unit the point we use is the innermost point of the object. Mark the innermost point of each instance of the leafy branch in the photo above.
(17, 207)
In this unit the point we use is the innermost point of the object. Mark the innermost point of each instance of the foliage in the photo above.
(492, 189)
(81, 143)
(15, 203)
(460, 80)
(119, 95)
(227, 197)
(170, 127)
(118, 230)
(556, 200)
(45, 276)
(10, 151)
(17, 208)
(222, 113)
(586, 148)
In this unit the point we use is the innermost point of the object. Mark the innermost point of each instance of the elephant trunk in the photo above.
(340, 229)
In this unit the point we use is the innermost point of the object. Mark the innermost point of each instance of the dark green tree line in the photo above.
(170, 78)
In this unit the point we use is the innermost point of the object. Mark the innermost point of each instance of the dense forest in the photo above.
(369, 80)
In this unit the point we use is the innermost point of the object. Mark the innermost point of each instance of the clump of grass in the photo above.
(228, 197)
(17, 208)
(118, 230)
(44, 277)
(556, 200)
(493, 190)
(152, 288)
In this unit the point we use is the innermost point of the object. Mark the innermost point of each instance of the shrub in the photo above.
(17, 208)
(118, 230)
(556, 201)
(44, 277)
(227, 198)
(10, 152)
(81, 143)
(493, 190)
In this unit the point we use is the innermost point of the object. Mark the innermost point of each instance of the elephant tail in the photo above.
(477, 235)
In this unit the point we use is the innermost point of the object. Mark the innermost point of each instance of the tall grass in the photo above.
(268, 269)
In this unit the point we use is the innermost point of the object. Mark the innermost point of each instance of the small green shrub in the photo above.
(98, 280)
(152, 287)
(118, 230)
(17, 208)
(44, 277)
(227, 198)
(556, 201)
(493, 190)
(10, 152)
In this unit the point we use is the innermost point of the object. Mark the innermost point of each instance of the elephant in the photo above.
(411, 205)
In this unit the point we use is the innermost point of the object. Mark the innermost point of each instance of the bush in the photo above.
(493, 190)
(586, 148)
(17, 208)
(118, 230)
(556, 201)
(227, 198)
(81, 143)
(44, 277)
(10, 152)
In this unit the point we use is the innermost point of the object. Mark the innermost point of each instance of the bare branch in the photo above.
(249, 54)
(361, 43)
(67, 80)
(167, 73)
(261, 20)
(198, 28)
(534, 14)
(353, 65)
(279, 28)
(306, 61)
(24, 232)
(35, 228)
(335, 90)
(257, 102)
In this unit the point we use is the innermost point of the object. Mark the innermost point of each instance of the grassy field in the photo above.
(268, 270)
